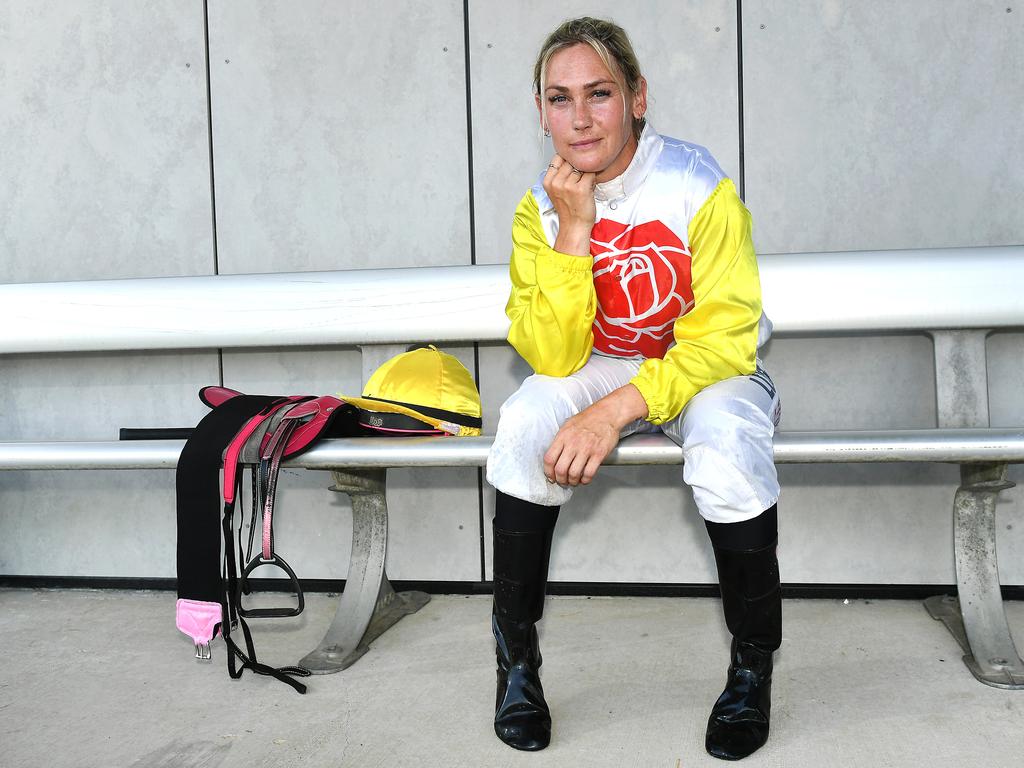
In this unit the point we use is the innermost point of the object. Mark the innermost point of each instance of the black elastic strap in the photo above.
(748, 535)
(435, 413)
(155, 433)
(397, 421)
(284, 674)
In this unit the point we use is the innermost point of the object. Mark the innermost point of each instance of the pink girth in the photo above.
(200, 621)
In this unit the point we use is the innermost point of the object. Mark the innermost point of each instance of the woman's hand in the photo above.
(585, 440)
(572, 193)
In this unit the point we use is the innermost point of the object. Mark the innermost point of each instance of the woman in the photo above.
(636, 301)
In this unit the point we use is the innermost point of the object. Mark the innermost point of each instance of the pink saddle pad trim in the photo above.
(317, 413)
(214, 395)
(198, 619)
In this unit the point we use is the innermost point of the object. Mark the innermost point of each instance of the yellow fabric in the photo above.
(718, 337)
(552, 304)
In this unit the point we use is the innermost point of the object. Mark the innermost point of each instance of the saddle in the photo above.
(421, 392)
(257, 431)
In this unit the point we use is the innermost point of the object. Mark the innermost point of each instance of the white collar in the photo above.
(647, 150)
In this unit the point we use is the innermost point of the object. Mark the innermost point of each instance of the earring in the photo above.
(547, 133)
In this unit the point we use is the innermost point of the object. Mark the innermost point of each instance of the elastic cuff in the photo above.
(654, 416)
(565, 262)
(515, 515)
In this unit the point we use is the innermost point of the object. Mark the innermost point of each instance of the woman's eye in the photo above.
(559, 99)
(601, 94)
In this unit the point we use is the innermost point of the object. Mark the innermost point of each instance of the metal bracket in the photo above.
(978, 620)
(961, 378)
(368, 606)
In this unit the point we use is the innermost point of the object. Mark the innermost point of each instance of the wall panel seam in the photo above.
(472, 253)
(739, 93)
(209, 137)
(213, 182)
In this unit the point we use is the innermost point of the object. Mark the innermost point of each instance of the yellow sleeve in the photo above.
(718, 337)
(552, 304)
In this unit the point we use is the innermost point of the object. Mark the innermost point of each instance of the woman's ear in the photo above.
(540, 113)
(640, 100)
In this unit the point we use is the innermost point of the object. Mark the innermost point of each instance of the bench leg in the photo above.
(368, 605)
(977, 620)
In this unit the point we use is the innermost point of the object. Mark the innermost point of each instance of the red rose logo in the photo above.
(642, 280)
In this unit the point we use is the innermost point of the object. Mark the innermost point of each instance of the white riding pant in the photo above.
(725, 431)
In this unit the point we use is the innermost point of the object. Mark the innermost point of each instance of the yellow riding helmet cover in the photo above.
(425, 390)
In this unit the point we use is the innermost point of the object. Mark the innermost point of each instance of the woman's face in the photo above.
(589, 126)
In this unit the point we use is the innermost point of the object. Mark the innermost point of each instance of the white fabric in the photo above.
(725, 430)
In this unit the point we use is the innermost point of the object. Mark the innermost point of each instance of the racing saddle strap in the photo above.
(274, 445)
(248, 657)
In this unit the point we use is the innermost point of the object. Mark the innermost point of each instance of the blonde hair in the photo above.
(609, 41)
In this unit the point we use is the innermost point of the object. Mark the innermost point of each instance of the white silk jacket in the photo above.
(672, 278)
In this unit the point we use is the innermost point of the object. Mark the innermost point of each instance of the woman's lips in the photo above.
(581, 145)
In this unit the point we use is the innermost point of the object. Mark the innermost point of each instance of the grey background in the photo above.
(344, 135)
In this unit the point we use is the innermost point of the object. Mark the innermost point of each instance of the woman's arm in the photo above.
(552, 304)
(585, 440)
(718, 337)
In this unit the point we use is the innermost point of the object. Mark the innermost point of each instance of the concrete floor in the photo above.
(103, 678)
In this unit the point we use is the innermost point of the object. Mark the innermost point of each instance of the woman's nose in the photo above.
(581, 115)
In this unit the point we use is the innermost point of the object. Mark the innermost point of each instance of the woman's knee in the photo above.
(729, 458)
(540, 406)
(527, 424)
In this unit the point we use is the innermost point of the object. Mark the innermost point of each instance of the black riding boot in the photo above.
(748, 573)
(522, 549)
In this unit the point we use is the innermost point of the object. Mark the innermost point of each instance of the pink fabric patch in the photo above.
(198, 620)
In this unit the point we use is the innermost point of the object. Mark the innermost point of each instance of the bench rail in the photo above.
(955, 446)
(856, 291)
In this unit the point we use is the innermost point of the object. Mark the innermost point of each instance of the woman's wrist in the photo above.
(623, 406)
(574, 239)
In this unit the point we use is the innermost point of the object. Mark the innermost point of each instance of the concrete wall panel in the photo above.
(103, 140)
(96, 523)
(879, 125)
(875, 124)
(339, 135)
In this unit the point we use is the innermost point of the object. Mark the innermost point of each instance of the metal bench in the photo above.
(956, 296)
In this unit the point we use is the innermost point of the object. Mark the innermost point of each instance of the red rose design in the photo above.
(642, 280)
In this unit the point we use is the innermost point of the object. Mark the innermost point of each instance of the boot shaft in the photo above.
(749, 580)
(522, 550)
(520, 574)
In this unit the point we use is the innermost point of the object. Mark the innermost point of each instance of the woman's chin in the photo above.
(585, 164)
